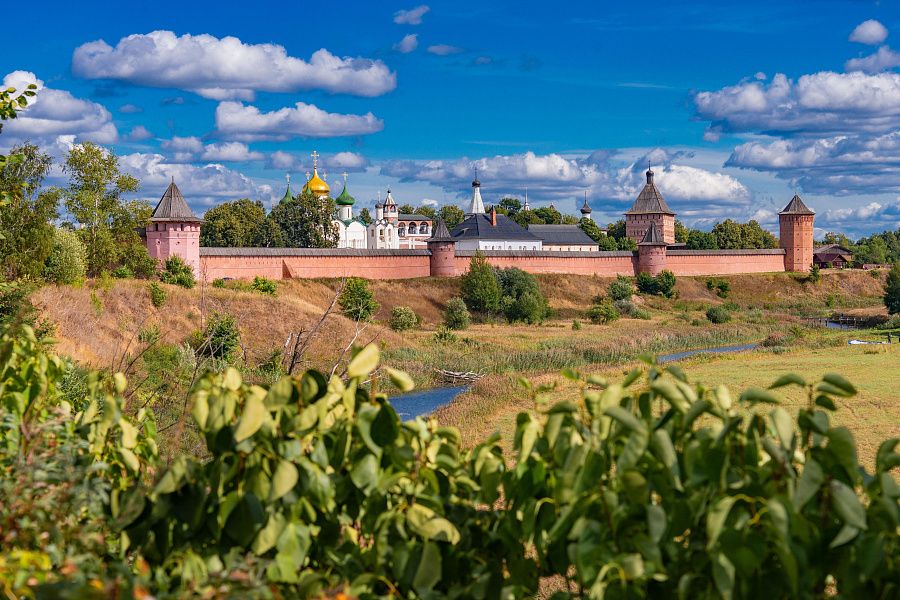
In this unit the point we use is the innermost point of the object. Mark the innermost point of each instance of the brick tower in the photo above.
(174, 230)
(796, 235)
(443, 252)
(650, 208)
(652, 251)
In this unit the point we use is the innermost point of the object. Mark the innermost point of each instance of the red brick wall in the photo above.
(575, 263)
(400, 266)
(724, 262)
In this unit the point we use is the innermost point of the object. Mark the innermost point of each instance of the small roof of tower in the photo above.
(345, 199)
(796, 207)
(477, 205)
(585, 209)
(287, 192)
(653, 237)
(173, 208)
(650, 201)
(389, 199)
(440, 233)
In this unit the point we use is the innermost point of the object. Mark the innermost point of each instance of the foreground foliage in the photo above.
(649, 487)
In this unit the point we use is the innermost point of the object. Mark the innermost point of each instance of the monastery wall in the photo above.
(724, 262)
(604, 264)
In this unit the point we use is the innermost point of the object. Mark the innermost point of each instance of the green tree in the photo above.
(94, 198)
(10, 104)
(406, 209)
(219, 339)
(357, 301)
(238, 224)
(592, 230)
(425, 210)
(365, 216)
(681, 232)
(626, 243)
(621, 288)
(521, 298)
(177, 272)
(701, 240)
(603, 311)
(403, 318)
(67, 262)
(456, 314)
(306, 222)
(548, 215)
(479, 287)
(527, 217)
(731, 235)
(509, 206)
(451, 215)
(26, 229)
(892, 290)
(617, 230)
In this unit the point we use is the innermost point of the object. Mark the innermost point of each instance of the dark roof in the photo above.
(413, 217)
(439, 233)
(650, 201)
(172, 207)
(796, 207)
(833, 249)
(479, 227)
(653, 237)
(562, 235)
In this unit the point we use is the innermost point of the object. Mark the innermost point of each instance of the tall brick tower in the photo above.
(796, 235)
(650, 208)
(443, 251)
(174, 230)
(652, 252)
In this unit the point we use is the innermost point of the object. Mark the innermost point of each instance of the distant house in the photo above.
(492, 231)
(563, 237)
(413, 230)
(832, 256)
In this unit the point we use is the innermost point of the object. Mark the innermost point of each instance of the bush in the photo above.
(157, 294)
(444, 335)
(576, 325)
(620, 289)
(218, 283)
(219, 339)
(456, 314)
(814, 274)
(719, 286)
(731, 306)
(718, 314)
(603, 311)
(661, 285)
(480, 289)
(264, 286)
(521, 298)
(67, 262)
(403, 318)
(892, 290)
(177, 272)
(122, 272)
(150, 335)
(357, 301)
(641, 313)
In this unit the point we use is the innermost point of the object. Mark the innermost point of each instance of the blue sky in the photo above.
(738, 105)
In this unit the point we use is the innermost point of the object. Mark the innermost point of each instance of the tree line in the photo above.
(880, 248)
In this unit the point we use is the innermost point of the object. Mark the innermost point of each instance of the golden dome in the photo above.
(317, 185)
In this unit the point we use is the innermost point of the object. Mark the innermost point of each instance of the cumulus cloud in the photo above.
(412, 16)
(53, 113)
(238, 121)
(869, 32)
(226, 68)
(340, 161)
(347, 161)
(408, 43)
(130, 109)
(230, 152)
(444, 49)
(883, 59)
(202, 186)
(139, 133)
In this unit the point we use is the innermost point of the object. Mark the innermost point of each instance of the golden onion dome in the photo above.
(317, 185)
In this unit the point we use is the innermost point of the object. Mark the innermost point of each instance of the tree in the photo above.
(451, 215)
(892, 290)
(510, 206)
(67, 262)
(357, 301)
(94, 198)
(306, 222)
(616, 230)
(365, 216)
(730, 235)
(177, 272)
(424, 210)
(403, 318)
(603, 311)
(26, 229)
(527, 217)
(681, 232)
(480, 289)
(626, 243)
(592, 230)
(548, 215)
(238, 224)
(521, 298)
(10, 104)
(456, 314)
(621, 288)
(406, 209)
(701, 240)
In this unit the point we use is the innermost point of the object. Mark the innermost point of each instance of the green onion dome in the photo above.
(345, 199)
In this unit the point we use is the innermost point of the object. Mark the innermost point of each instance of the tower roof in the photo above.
(585, 209)
(345, 199)
(440, 233)
(653, 237)
(389, 199)
(172, 207)
(650, 201)
(317, 185)
(796, 207)
(287, 192)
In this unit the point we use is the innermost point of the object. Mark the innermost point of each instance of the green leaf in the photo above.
(231, 379)
(131, 461)
(846, 534)
(843, 448)
(365, 361)
(832, 390)
(430, 526)
(200, 410)
(283, 479)
(267, 537)
(400, 379)
(428, 573)
(672, 393)
(633, 566)
(841, 383)
(723, 575)
(784, 427)
(245, 520)
(251, 419)
(758, 396)
(715, 520)
(808, 486)
(847, 505)
(789, 379)
(656, 522)
(886, 458)
(364, 473)
(626, 418)
(129, 434)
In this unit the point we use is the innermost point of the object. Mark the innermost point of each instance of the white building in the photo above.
(382, 233)
(351, 231)
(480, 231)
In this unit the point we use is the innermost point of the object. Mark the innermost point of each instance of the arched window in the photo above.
(423, 228)
(402, 231)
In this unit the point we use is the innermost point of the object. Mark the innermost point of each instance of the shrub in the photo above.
(479, 287)
(576, 325)
(625, 307)
(776, 338)
(603, 311)
(264, 286)
(731, 306)
(875, 273)
(122, 272)
(177, 272)
(814, 275)
(67, 262)
(456, 314)
(219, 339)
(661, 285)
(718, 314)
(357, 301)
(150, 335)
(403, 318)
(719, 286)
(521, 298)
(444, 335)
(641, 313)
(892, 290)
(157, 294)
(620, 289)
(218, 283)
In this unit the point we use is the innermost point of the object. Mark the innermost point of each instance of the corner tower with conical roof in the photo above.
(174, 230)
(795, 224)
(649, 209)
(442, 246)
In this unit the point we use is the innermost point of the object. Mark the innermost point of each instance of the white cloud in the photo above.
(139, 133)
(409, 43)
(412, 16)
(444, 49)
(340, 161)
(226, 68)
(869, 32)
(52, 113)
(237, 121)
(282, 160)
(230, 152)
(130, 109)
(350, 161)
(883, 59)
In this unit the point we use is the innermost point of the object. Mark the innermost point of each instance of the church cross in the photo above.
(315, 157)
